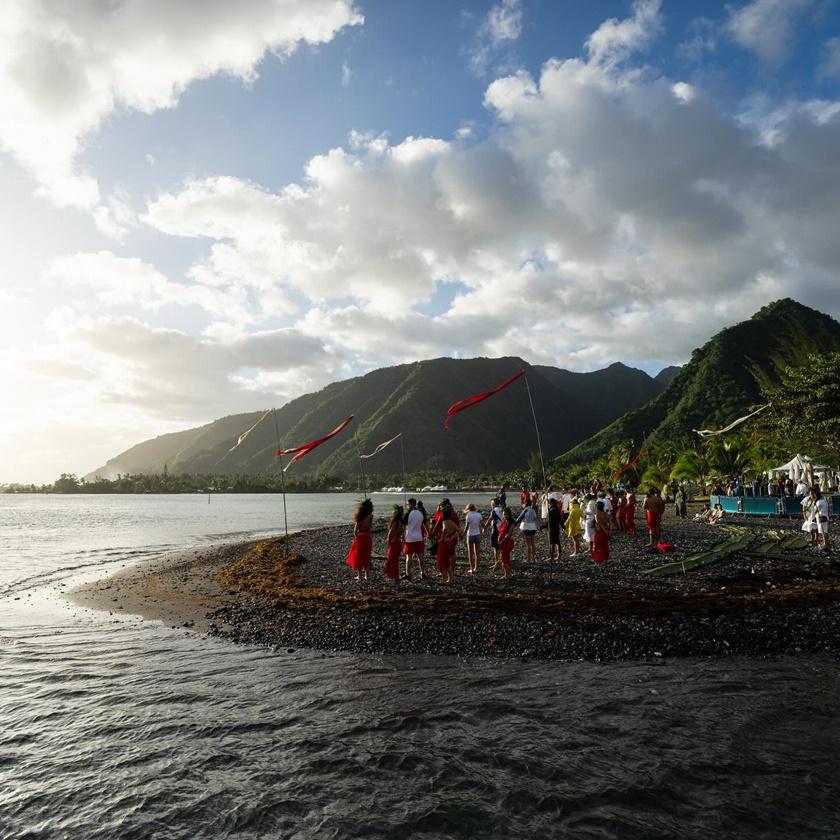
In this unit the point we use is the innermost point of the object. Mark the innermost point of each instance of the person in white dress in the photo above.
(589, 521)
(819, 514)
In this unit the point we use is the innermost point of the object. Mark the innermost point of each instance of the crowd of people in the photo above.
(585, 520)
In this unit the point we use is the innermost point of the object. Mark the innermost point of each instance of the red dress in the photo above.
(505, 546)
(361, 549)
(654, 519)
(445, 554)
(392, 556)
(601, 547)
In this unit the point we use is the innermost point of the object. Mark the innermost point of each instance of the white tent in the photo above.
(802, 467)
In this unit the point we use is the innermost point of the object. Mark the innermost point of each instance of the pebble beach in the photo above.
(567, 610)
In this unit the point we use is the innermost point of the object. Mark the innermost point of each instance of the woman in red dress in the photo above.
(394, 540)
(361, 549)
(601, 546)
(506, 543)
(447, 543)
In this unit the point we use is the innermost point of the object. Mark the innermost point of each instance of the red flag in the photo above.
(306, 448)
(477, 398)
(631, 464)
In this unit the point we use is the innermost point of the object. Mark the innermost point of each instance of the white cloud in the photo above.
(615, 40)
(602, 194)
(501, 27)
(766, 27)
(346, 74)
(65, 67)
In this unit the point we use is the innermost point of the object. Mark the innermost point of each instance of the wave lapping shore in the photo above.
(304, 595)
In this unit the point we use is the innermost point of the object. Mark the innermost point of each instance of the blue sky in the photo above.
(212, 207)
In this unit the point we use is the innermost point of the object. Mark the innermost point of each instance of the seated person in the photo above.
(718, 516)
(703, 515)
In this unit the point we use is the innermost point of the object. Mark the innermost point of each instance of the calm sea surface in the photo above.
(115, 728)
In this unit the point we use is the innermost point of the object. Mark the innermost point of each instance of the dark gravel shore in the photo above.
(571, 609)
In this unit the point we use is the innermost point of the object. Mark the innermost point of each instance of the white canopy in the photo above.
(802, 467)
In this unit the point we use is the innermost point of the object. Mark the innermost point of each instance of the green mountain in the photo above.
(412, 399)
(722, 379)
(665, 375)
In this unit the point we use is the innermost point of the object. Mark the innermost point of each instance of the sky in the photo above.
(209, 208)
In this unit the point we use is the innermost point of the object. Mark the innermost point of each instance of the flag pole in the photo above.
(536, 429)
(282, 486)
(402, 455)
(361, 469)
(539, 449)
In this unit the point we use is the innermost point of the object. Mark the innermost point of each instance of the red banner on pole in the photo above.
(468, 402)
(630, 465)
(306, 448)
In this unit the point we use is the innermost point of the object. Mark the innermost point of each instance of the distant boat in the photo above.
(438, 488)
(390, 490)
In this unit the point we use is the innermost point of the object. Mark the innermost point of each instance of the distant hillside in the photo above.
(412, 399)
(723, 378)
(665, 375)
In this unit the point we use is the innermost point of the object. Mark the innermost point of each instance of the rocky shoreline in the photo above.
(303, 595)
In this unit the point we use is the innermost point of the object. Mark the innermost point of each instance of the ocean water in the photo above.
(111, 727)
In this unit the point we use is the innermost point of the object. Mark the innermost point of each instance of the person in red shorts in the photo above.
(415, 524)
(394, 543)
(654, 507)
(630, 513)
(506, 542)
(361, 549)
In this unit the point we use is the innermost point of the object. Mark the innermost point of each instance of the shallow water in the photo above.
(113, 727)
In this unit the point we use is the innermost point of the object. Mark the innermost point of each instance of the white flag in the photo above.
(245, 434)
(709, 433)
(381, 446)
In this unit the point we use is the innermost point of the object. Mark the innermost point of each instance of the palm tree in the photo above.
(729, 457)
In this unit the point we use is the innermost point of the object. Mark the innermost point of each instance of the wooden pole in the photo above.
(402, 455)
(539, 449)
(282, 486)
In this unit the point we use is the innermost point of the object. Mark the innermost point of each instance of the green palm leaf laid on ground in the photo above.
(773, 544)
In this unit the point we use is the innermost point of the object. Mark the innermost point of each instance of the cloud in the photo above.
(615, 40)
(346, 74)
(177, 376)
(766, 27)
(65, 67)
(501, 26)
(606, 201)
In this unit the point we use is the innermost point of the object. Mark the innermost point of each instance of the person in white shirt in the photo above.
(589, 523)
(819, 515)
(415, 524)
(472, 531)
(801, 488)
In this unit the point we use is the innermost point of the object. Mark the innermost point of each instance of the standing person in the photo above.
(630, 513)
(613, 510)
(472, 531)
(525, 496)
(502, 496)
(528, 523)
(493, 521)
(394, 543)
(820, 508)
(447, 543)
(554, 528)
(621, 512)
(414, 538)
(573, 529)
(679, 503)
(361, 549)
(506, 542)
(654, 507)
(589, 521)
(601, 547)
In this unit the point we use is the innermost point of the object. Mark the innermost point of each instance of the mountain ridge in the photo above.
(722, 380)
(412, 399)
